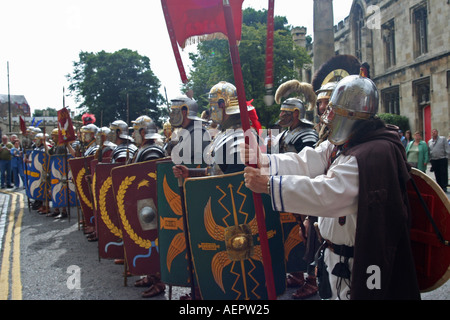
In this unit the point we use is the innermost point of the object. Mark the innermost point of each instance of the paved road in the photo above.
(43, 258)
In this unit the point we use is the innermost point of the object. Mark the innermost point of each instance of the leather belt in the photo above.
(341, 250)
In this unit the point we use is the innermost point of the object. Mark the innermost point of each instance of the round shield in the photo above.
(431, 254)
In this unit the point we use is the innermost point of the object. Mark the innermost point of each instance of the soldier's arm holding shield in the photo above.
(181, 171)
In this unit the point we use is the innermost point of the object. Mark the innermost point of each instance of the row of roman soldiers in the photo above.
(134, 204)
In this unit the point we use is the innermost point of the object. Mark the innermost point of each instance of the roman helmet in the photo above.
(55, 135)
(226, 92)
(103, 131)
(119, 128)
(304, 99)
(88, 132)
(55, 132)
(40, 139)
(33, 131)
(324, 94)
(176, 117)
(354, 98)
(145, 123)
(330, 73)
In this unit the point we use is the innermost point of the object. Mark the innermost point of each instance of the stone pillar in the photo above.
(299, 36)
(323, 32)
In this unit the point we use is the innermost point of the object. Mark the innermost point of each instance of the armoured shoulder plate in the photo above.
(91, 150)
(122, 151)
(295, 140)
(191, 135)
(224, 151)
(108, 146)
(149, 152)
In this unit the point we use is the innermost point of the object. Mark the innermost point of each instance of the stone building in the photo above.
(17, 103)
(407, 44)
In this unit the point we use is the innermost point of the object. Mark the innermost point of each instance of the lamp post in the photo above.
(9, 100)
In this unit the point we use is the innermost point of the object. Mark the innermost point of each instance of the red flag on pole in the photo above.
(196, 20)
(192, 19)
(23, 126)
(65, 127)
(239, 81)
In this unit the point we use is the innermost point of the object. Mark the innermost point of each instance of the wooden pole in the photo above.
(239, 82)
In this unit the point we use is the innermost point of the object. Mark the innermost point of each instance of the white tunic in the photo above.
(305, 183)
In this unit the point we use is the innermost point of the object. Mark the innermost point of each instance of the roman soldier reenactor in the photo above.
(119, 135)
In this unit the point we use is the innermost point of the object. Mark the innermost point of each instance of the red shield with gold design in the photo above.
(431, 255)
(294, 247)
(80, 168)
(109, 231)
(135, 190)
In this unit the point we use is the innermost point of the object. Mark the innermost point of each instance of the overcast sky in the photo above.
(41, 39)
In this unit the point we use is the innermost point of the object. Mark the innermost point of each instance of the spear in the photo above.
(268, 84)
(257, 201)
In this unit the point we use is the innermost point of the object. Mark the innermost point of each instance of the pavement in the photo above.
(48, 259)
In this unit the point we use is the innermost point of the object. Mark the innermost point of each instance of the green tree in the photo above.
(51, 112)
(212, 62)
(114, 86)
(400, 121)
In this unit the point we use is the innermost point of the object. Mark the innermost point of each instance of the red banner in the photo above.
(23, 126)
(65, 127)
(200, 17)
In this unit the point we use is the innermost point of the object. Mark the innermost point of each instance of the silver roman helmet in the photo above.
(354, 98)
(40, 138)
(33, 131)
(145, 123)
(176, 118)
(119, 128)
(301, 90)
(329, 74)
(324, 95)
(88, 132)
(103, 131)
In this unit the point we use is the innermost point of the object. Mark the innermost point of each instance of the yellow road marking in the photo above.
(13, 229)
(16, 293)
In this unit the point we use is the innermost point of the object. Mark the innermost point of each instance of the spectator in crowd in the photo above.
(439, 153)
(402, 137)
(17, 164)
(408, 138)
(5, 162)
(417, 152)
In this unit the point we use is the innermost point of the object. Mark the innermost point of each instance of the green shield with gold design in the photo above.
(134, 187)
(224, 239)
(172, 241)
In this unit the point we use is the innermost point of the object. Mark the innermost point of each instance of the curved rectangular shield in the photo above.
(27, 169)
(172, 244)
(109, 231)
(37, 175)
(224, 239)
(134, 187)
(80, 168)
(62, 187)
(294, 247)
(172, 240)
